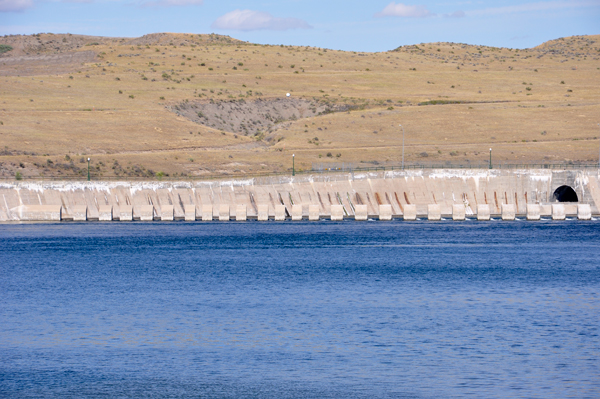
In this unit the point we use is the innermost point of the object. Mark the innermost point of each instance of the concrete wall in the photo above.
(396, 189)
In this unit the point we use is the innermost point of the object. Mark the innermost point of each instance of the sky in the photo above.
(376, 25)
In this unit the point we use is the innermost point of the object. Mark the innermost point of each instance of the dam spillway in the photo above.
(433, 194)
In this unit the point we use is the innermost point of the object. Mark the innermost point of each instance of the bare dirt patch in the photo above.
(48, 53)
(251, 118)
(48, 43)
(30, 65)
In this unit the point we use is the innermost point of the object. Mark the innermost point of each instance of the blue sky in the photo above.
(376, 25)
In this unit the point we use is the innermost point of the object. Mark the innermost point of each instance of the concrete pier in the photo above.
(337, 212)
(224, 215)
(125, 213)
(584, 212)
(360, 212)
(263, 212)
(404, 194)
(410, 212)
(558, 212)
(79, 213)
(166, 213)
(483, 212)
(241, 214)
(279, 212)
(508, 212)
(40, 212)
(146, 212)
(533, 212)
(190, 212)
(434, 212)
(313, 212)
(458, 212)
(385, 212)
(105, 213)
(207, 213)
(296, 212)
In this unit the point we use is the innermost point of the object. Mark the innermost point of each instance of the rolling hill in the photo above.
(198, 105)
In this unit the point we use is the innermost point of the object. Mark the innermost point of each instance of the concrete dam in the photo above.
(408, 194)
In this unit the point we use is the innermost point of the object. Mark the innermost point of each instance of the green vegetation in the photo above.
(5, 48)
(440, 102)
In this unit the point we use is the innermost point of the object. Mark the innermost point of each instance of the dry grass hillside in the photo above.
(199, 105)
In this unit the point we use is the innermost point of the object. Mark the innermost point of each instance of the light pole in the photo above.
(490, 158)
(88, 169)
(599, 153)
(293, 164)
(402, 146)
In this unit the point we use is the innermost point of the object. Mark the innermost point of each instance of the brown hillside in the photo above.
(188, 104)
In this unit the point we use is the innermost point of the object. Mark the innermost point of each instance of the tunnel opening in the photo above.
(565, 194)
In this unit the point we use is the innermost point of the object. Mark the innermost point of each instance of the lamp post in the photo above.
(293, 164)
(402, 146)
(490, 158)
(88, 169)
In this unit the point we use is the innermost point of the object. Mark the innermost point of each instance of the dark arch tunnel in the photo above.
(565, 194)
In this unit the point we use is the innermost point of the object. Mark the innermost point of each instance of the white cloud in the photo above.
(15, 5)
(403, 10)
(254, 20)
(172, 3)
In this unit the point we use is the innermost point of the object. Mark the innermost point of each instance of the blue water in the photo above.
(300, 310)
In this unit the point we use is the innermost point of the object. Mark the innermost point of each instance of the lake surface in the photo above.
(300, 310)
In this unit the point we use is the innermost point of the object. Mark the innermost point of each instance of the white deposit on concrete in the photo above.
(384, 194)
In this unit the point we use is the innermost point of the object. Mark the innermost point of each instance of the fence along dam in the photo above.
(385, 195)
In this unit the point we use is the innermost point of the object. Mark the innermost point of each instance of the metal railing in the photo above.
(320, 169)
(482, 165)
